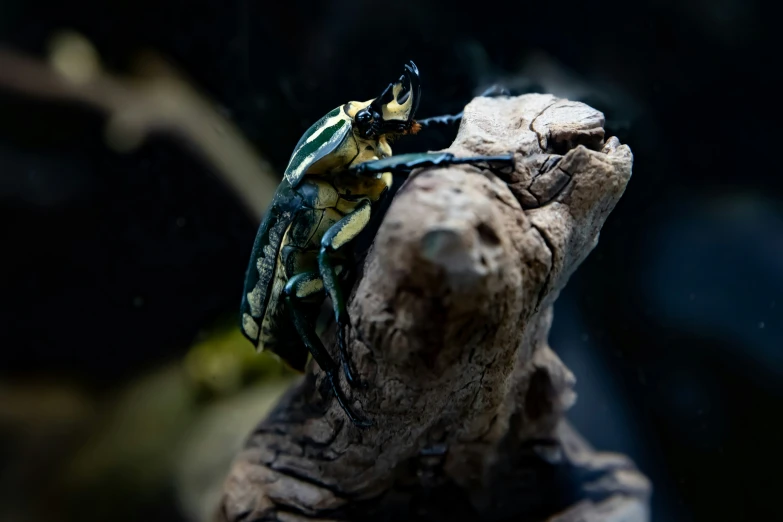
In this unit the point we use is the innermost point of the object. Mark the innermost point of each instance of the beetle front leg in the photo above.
(450, 119)
(446, 119)
(335, 238)
(299, 287)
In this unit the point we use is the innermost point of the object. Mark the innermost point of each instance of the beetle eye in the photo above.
(363, 117)
(364, 122)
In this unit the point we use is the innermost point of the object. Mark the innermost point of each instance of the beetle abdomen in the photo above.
(261, 270)
(266, 322)
(260, 274)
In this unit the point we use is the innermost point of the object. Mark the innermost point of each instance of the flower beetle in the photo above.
(341, 167)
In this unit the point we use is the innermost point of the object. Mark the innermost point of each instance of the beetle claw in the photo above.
(357, 421)
(353, 382)
(350, 372)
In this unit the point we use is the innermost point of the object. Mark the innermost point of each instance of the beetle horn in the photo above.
(415, 87)
(386, 96)
(397, 104)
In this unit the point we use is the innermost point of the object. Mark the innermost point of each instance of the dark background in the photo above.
(112, 263)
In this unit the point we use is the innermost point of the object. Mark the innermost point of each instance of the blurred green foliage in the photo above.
(225, 361)
(164, 438)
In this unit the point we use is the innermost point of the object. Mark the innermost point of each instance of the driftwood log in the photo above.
(449, 326)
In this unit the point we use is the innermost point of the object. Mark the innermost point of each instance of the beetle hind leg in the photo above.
(299, 287)
(345, 230)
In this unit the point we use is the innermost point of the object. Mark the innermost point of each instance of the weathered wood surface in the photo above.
(449, 326)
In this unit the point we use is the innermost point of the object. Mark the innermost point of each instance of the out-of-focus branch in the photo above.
(156, 98)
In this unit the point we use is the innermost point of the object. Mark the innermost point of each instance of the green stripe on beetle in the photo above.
(321, 139)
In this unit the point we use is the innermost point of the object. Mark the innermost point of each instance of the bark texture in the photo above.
(449, 326)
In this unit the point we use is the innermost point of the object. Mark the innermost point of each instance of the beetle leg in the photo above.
(335, 238)
(446, 119)
(300, 287)
(450, 119)
(494, 91)
(405, 163)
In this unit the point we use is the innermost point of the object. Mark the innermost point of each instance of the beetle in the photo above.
(340, 169)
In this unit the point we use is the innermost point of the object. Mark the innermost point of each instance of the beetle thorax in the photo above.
(371, 149)
(368, 149)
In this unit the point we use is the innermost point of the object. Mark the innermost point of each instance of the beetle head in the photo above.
(392, 112)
